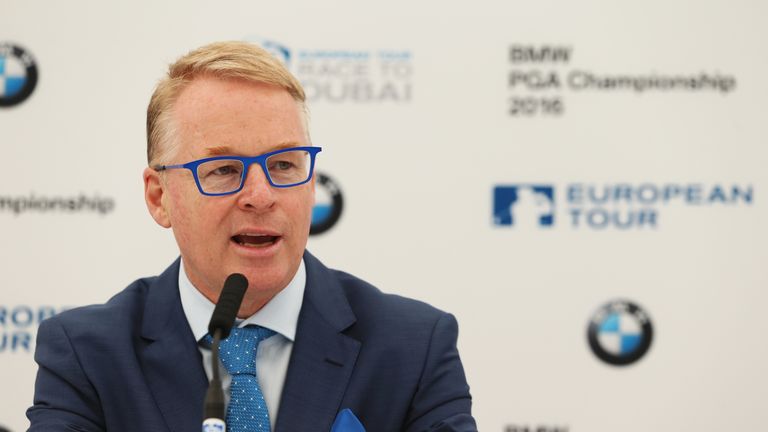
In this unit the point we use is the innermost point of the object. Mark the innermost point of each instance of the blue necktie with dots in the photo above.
(247, 411)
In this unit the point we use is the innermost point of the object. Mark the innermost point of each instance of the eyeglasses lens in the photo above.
(220, 176)
(289, 167)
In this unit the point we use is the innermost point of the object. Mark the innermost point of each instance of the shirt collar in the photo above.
(281, 314)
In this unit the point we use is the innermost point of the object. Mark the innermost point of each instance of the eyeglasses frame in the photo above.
(247, 161)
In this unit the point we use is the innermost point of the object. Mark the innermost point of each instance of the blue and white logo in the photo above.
(620, 333)
(607, 206)
(328, 205)
(524, 205)
(344, 75)
(18, 326)
(280, 51)
(18, 74)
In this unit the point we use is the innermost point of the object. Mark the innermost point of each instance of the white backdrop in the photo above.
(420, 119)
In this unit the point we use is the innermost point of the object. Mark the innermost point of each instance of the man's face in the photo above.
(232, 117)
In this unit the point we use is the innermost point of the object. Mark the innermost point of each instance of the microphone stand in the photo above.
(222, 319)
(214, 397)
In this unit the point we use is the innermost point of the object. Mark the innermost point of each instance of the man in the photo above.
(230, 171)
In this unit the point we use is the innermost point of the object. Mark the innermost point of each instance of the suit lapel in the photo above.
(171, 361)
(322, 359)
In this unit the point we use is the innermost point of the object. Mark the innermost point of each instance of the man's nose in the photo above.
(257, 193)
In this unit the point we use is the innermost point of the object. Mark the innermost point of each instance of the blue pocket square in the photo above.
(347, 422)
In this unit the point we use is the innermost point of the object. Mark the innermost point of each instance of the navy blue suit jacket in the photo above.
(133, 364)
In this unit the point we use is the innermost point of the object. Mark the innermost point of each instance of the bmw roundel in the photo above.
(328, 205)
(18, 74)
(620, 333)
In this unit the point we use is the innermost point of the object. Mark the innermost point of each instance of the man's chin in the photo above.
(267, 275)
(266, 280)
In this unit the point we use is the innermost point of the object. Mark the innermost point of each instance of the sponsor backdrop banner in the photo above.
(582, 184)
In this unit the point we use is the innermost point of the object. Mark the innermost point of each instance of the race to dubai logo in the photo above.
(348, 75)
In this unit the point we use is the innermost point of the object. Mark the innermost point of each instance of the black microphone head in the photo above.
(229, 303)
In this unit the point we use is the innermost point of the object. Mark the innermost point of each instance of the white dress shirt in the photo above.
(281, 315)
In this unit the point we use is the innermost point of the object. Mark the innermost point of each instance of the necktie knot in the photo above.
(238, 351)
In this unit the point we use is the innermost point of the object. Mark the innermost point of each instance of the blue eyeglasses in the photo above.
(225, 175)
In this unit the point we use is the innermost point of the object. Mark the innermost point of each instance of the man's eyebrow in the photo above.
(226, 150)
(218, 151)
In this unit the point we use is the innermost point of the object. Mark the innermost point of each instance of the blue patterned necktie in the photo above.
(247, 411)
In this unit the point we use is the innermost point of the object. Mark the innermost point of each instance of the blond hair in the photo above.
(227, 60)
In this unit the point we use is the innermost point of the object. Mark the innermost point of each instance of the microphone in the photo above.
(219, 327)
(225, 312)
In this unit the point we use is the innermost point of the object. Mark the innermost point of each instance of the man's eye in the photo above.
(282, 165)
(225, 170)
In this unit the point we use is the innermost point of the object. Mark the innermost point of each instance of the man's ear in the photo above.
(153, 195)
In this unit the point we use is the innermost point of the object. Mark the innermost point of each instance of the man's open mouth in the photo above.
(255, 240)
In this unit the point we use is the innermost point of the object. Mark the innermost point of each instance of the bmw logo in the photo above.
(328, 205)
(18, 74)
(620, 333)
